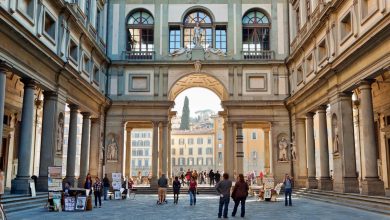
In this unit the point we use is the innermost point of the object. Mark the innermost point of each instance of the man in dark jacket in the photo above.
(162, 189)
(106, 186)
(211, 177)
(217, 177)
(223, 188)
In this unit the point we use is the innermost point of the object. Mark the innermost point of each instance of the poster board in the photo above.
(267, 194)
(116, 181)
(70, 203)
(117, 194)
(56, 198)
(55, 178)
(80, 203)
(269, 183)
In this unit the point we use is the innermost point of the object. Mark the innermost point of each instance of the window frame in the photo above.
(149, 28)
(263, 28)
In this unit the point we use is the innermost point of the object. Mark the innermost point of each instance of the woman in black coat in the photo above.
(176, 190)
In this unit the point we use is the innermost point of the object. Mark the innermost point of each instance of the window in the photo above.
(146, 162)
(220, 145)
(86, 64)
(220, 38)
(190, 161)
(199, 141)
(173, 151)
(27, 7)
(173, 141)
(220, 155)
(147, 143)
(174, 39)
(254, 155)
(205, 23)
(146, 152)
(309, 64)
(96, 75)
(209, 141)
(181, 151)
(73, 51)
(50, 27)
(219, 136)
(255, 31)
(173, 162)
(190, 151)
(345, 27)
(209, 150)
(139, 163)
(140, 32)
(368, 7)
(134, 143)
(299, 75)
(190, 141)
(87, 8)
(254, 135)
(199, 161)
(322, 51)
(181, 141)
(199, 151)
(133, 163)
(98, 17)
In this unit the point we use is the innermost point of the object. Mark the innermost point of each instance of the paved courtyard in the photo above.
(144, 207)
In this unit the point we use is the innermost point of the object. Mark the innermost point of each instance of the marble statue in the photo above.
(60, 133)
(180, 51)
(112, 148)
(197, 35)
(218, 52)
(293, 148)
(197, 66)
(283, 149)
(336, 144)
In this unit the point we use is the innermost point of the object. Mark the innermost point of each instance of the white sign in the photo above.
(267, 194)
(269, 183)
(116, 181)
(32, 187)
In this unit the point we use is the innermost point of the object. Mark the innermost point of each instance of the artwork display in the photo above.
(117, 194)
(80, 203)
(116, 181)
(70, 203)
(54, 179)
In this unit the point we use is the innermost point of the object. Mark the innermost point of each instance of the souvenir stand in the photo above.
(117, 185)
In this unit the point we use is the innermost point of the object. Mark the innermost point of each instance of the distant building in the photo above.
(141, 151)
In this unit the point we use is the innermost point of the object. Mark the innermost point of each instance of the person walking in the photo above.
(182, 178)
(188, 176)
(217, 177)
(88, 184)
(97, 191)
(106, 186)
(162, 189)
(239, 194)
(223, 188)
(211, 177)
(192, 190)
(176, 189)
(287, 189)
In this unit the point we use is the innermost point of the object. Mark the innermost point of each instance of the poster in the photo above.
(267, 194)
(269, 183)
(116, 181)
(54, 178)
(70, 203)
(80, 203)
(117, 194)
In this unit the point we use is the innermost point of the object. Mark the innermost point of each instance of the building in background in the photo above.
(141, 152)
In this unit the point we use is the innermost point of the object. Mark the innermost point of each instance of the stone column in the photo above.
(371, 184)
(20, 184)
(160, 147)
(48, 140)
(128, 152)
(85, 148)
(94, 147)
(169, 152)
(324, 183)
(153, 183)
(300, 152)
(164, 152)
(344, 159)
(3, 79)
(240, 150)
(310, 149)
(229, 150)
(72, 142)
(267, 163)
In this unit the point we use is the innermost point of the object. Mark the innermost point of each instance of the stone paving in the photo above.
(144, 207)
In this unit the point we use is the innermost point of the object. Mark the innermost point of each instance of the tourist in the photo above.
(223, 188)
(106, 186)
(261, 176)
(239, 194)
(211, 177)
(202, 178)
(97, 191)
(287, 189)
(176, 189)
(192, 191)
(162, 189)
(217, 177)
(88, 184)
(182, 178)
(188, 176)
(195, 175)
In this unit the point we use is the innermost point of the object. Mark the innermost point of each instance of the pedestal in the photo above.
(311, 183)
(325, 184)
(348, 185)
(197, 53)
(373, 187)
(21, 185)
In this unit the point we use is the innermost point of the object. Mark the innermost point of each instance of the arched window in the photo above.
(140, 31)
(205, 24)
(255, 31)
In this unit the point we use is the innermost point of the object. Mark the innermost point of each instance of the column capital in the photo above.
(49, 94)
(29, 83)
(86, 115)
(73, 107)
(321, 108)
(5, 66)
(365, 84)
(310, 115)
(165, 123)
(155, 123)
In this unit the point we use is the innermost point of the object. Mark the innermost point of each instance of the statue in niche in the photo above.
(197, 66)
(197, 39)
(336, 141)
(60, 133)
(293, 148)
(283, 149)
(101, 148)
(112, 148)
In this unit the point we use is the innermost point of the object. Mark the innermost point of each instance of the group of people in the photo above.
(223, 187)
(201, 177)
(98, 187)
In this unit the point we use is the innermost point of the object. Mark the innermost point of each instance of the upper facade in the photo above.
(225, 30)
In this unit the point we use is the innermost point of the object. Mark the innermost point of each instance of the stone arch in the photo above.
(203, 80)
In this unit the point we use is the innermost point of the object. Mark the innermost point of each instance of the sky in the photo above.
(199, 99)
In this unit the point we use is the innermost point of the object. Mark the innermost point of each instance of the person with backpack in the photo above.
(176, 190)
(239, 194)
(162, 189)
(192, 190)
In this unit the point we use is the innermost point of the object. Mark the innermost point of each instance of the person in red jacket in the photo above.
(239, 194)
(192, 190)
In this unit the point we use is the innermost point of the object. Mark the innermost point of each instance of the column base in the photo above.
(325, 183)
(153, 183)
(311, 183)
(21, 185)
(80, 182)
(301, 181)
(348, 185)
(373, 187)
(72, 181)
(42, 184)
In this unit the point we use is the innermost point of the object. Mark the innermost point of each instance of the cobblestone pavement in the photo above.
(144, 207)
